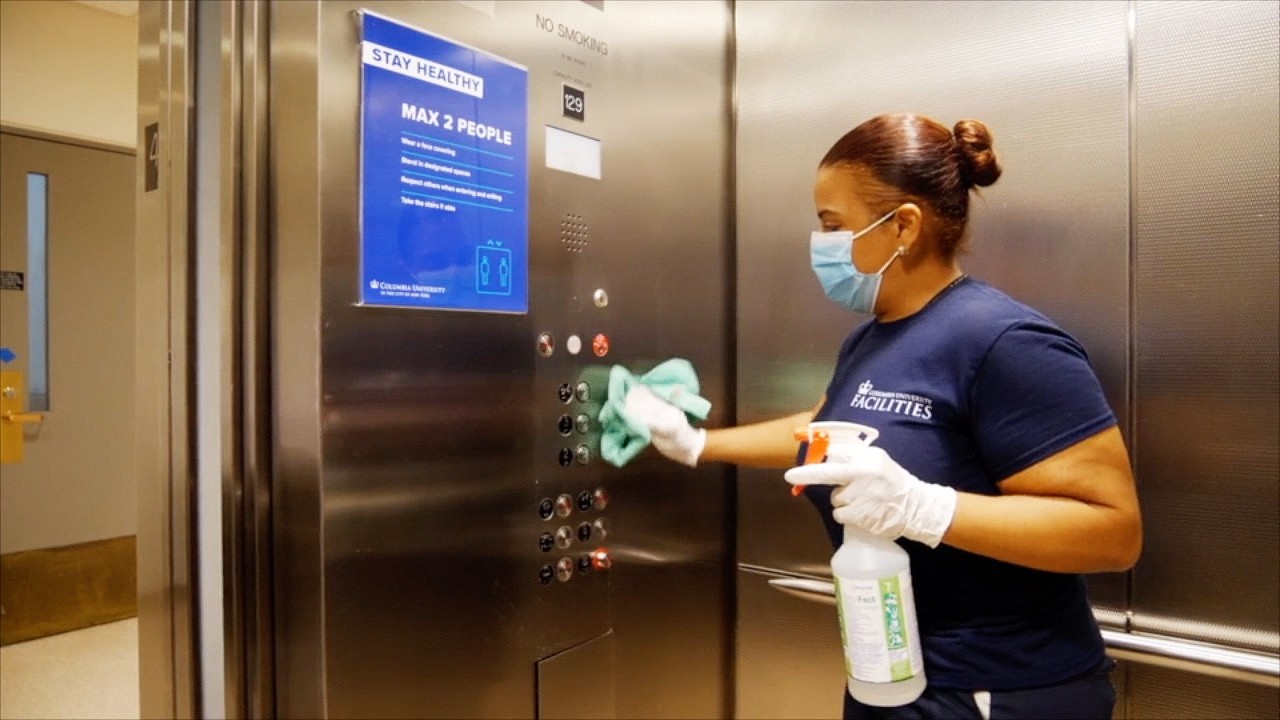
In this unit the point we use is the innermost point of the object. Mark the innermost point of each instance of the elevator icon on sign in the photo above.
(493, 270)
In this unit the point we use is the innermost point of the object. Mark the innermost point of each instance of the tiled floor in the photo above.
(90, 673)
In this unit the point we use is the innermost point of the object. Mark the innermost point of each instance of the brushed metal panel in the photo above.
(579, 682)
(413, 447)
(661, 247)
(789, 663)
(426, 455)
(1049, 78)
(296, 495)
(1155, 692)
(1120, 681)
(166, 627)
(1207, 359)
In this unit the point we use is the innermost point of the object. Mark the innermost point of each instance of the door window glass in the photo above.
(37, 291)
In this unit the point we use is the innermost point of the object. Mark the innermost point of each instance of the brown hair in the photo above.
(918, 160)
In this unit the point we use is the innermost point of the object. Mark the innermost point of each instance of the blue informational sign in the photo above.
(444, 173)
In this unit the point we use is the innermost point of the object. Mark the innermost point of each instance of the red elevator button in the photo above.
(600, 559)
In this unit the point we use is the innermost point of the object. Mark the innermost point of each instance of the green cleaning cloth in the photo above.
(623, 437)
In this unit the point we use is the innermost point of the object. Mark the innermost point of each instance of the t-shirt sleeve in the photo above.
(1034, 394)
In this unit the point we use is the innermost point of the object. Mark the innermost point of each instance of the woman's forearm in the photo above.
(768, 444)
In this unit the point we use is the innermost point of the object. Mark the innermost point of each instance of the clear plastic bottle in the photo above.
(883, 658)
(878, 620)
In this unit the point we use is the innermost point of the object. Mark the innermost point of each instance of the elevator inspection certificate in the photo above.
(444, 173)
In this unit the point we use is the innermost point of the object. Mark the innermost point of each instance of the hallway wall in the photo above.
(69, 69)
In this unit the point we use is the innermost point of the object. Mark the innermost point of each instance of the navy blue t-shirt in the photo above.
(970, 390)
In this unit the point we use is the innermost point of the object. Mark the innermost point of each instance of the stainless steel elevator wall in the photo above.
(413, 447)
(1137, 209)
(1207, 338)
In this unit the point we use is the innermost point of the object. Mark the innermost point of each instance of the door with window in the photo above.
(68, 507)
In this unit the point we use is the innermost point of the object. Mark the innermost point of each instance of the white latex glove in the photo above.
(669, 429)
(879, 496)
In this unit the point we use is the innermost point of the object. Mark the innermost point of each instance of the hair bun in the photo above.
(978, 162)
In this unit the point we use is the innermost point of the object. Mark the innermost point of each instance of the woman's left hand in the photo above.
(879, 496)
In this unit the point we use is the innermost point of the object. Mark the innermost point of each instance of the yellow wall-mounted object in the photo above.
(12, 416)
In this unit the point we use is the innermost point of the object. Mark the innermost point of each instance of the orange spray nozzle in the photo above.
(816, 452)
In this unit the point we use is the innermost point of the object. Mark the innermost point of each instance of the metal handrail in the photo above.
(1197, 657)
(1188, 655)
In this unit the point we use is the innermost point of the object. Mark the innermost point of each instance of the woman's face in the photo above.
(838, 201)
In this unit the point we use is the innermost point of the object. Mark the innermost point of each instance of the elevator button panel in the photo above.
(568, 544)
(575, 536)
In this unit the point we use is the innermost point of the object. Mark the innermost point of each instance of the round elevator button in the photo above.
(546, 542)
(601, 559)
(583, 454)
(584, 532)
(600, 298)
(584, 564)
(546, 344)
(584, 500)
(546, 509)
(564, 536)
(601, 527)
(583, 423)
(565, 393)
(565, 425)
(582, 391)
(564, 505)
(546, 574)
(566, 457)
(573, 344)
(600, 345)
(564, 569)
(600, 498)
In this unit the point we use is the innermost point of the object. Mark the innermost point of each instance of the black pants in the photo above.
(1089, 696)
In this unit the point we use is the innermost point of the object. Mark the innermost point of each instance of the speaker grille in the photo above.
(573, 233)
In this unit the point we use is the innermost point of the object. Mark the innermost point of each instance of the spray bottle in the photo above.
(877, 610)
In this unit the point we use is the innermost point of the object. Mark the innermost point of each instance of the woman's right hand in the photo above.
(669, 428)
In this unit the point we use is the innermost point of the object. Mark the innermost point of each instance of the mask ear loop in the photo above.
(899, 253)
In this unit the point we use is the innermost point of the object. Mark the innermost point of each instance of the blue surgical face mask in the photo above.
(831, 254)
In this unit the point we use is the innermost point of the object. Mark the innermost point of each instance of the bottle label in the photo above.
(878, 626)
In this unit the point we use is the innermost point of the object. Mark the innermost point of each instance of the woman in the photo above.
(999, 465)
